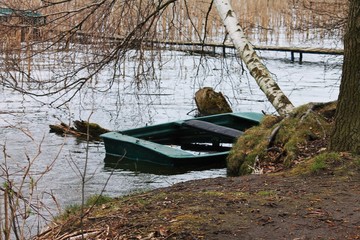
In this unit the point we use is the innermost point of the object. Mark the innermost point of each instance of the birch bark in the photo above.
(252, 61)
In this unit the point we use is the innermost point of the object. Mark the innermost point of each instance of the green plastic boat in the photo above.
(199, 141)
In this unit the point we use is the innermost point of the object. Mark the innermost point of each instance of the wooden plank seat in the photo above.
(213, 128)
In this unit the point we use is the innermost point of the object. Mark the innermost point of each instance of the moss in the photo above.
(75, 209)
(70, 210)
(184, 221)
(245, 151)
(96, 200)
(264, 193)
(319, 164)
(327, 162)
(295, 132)
(327, 109)
(214, 193)
(357, 162)
(270, 120)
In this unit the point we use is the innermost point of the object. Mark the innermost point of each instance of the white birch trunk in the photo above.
(252, 61)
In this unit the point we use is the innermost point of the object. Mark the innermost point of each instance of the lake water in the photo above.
(24, 120)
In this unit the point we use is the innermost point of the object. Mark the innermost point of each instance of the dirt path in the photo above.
(250, 207)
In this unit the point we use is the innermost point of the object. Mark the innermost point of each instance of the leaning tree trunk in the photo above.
(346, 134)
(247, 53)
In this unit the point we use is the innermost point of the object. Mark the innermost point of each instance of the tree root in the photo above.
(272, 136)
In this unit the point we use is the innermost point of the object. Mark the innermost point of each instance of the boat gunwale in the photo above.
(174, 155)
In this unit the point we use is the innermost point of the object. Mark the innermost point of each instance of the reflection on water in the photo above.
(123, 164)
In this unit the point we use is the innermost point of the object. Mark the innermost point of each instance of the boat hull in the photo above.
(156, 144)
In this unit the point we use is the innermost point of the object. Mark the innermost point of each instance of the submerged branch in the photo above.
(79, 130)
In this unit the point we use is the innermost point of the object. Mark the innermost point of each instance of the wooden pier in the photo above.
(213, 48)
(301, 51)
(292, 50)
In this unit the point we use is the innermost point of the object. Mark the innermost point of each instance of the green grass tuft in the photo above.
(97, 200)
(318, 165)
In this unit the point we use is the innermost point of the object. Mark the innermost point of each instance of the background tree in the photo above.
(346, 134)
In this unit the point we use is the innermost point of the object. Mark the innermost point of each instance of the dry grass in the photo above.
(87, 22)
(191, 20)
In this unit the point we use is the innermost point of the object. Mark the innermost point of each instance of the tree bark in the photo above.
(252, 61)
(346, 134)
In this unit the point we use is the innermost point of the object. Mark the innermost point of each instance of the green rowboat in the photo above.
(200, 141)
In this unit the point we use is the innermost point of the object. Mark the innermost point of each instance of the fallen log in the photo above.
(81, 129)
